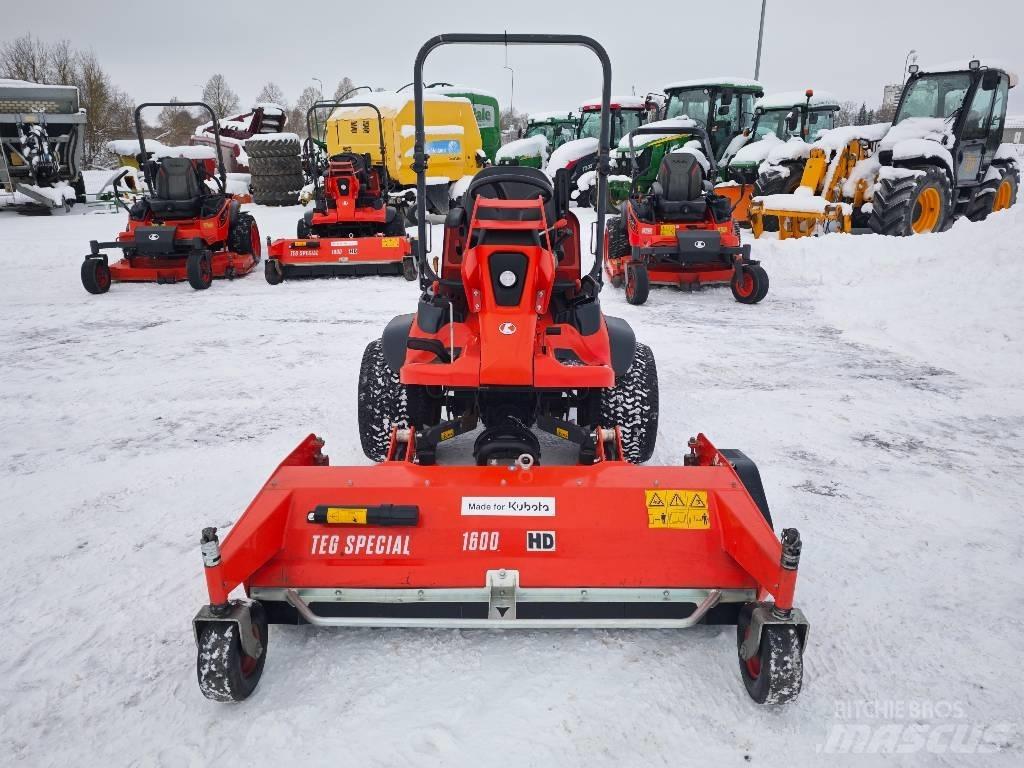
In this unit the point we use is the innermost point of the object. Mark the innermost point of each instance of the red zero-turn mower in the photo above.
(680, 233)
(510, 332)
(181, 230)
(351, 229)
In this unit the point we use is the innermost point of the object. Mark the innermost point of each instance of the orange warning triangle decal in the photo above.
(696, 502)
(676, 501)
(655, 501)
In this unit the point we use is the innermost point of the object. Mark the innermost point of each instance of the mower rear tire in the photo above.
(224, 671)
(618, 238)
(199, 269)
(95, 276)
(381, 402)
(775, 674)
(750, 284)
(395, 227)
(774, 182)
(638, 284)
(244, 237)
(632, 405)
(272, 271)
(913, 204)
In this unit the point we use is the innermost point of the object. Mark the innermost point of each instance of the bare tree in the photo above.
(344, 86)
(108, 109)
(63, 63)
(271, 93)
(174, 125)
(25, 58)
(847, 114)
(218, 94)
(297, 117)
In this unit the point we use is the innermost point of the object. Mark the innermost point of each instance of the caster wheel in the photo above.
(774, 675)
(408, 269)
(95, 276)
(273, 272)
(638, 286)
(750, 284)
(224, 670)
(199, 269)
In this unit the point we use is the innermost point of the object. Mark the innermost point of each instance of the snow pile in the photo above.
(695, 148)
(920, 137)
(834, 139)
(130, 148)
(1010, 152)
(531, 146)
(673, 127)
(589, 179)
(57, 195)
(786, 151)
(757, 152)
(801, 201)
(458, 188)
(571, 152)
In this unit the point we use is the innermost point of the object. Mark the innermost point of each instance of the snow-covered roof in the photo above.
(390, 101)
(5, 83)
(790, 99)
(558, 114)
(569, 152)
(459, 89)
(531, 146)
(736, 82)
(130, 148)
(624, 102)
(964, 64)
(673, 126)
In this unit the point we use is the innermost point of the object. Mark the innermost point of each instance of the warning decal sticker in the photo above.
(677, 508)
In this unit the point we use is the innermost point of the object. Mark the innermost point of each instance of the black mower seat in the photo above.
(178, 188)
(498, 181)
(678, 193)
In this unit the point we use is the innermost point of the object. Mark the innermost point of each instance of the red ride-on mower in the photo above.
(680, 233)
(181, 229)
(351, 230)
(510, 332)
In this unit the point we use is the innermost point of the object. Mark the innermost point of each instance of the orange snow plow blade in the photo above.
(739, 198)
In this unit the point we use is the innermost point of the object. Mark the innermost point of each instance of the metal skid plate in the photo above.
(763, 615)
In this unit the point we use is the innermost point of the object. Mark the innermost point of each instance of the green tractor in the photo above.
(723, 106)
(544, 133)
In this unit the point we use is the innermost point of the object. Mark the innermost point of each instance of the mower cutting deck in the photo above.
(352, 230)
(181, 229)
(509, 332)
(680, 233)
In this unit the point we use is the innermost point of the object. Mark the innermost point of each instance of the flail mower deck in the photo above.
(180, 230)
(351, 231)
(681, 233)
(509, 332)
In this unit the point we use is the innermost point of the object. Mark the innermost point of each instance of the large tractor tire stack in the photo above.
(276, 170)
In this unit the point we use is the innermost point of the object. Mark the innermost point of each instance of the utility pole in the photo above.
(760, 38)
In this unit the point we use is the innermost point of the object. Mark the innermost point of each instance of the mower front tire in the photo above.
(638, 284)
(381, 402)
(224, 671)
(409, 268)
(272, 272)
(774, 675)
(199, 269)
(95, 276)
(750, 284)
(244, 237)
(632, 405)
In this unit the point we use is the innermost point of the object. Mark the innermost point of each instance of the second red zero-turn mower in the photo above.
(181, 229)
(351, 230)
(508, 331)
(679, 233)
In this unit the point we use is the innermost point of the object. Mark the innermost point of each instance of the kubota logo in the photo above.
(507, 328)
(699, 244)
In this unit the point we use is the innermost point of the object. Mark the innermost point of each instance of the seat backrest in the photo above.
(494, 182)
(177, 179)
(681, 177)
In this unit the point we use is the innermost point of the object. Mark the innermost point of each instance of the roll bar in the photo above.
(221, 171)
(647, 130)
(385, 181)
(427, 274)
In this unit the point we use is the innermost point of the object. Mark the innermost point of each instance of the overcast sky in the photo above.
(850, 50)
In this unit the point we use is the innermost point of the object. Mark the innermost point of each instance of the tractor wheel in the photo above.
(272, 271)
(750, 284)
(225, 672)
(910, 205)
(199, 269)
(95, 276)
(275, 198)
(244, 236)
(775, 674)
(773, 182)
(618, 238)
(632, 405)
(381, 402)
(395, 227)
(1003, 195)
(638, 285)
(262, 148)
(409, 268)
(285, 165)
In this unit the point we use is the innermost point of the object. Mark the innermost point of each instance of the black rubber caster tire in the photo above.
(638, 285)
(775, 674)
(199, 269)
(272, 272)
(224, 671)
(95, 276)
(750, 284)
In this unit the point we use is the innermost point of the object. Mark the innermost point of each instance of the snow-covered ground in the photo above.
(878, 388)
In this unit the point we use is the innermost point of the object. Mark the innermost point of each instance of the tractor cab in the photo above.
(627, 114)
(556, 127)
(794, 115)
(724, 106)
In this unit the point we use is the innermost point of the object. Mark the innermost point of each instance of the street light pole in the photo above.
(321, 84)
(760, 39)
